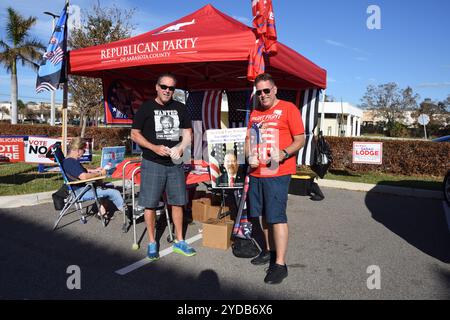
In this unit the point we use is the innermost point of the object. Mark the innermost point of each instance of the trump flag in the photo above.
(52, 68)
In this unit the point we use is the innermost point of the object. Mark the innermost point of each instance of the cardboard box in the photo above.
(200, 209)
(199, 194)
(212, 212)
(217, 234)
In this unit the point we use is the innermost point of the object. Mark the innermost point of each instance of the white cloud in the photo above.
(361, 59)
(331, 80)
(342, 45)
(434, 85)
(335, 43)
(358, 78)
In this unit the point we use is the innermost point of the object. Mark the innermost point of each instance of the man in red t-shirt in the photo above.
(275, 133)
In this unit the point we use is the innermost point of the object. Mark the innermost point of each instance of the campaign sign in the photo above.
(135, 149)
(226, 157)
(12, 150)
(111, 157)
(36, 149)
(368, 152)
(87, 155)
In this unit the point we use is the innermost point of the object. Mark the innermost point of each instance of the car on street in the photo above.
(442, 139)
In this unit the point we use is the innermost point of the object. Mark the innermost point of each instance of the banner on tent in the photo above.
(123, 98)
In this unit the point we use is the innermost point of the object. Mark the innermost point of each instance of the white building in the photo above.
(340, 119)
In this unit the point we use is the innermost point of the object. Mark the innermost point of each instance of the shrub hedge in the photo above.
(405, 157)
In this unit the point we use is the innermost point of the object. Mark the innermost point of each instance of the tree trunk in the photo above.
(83, 125)
(14, 94)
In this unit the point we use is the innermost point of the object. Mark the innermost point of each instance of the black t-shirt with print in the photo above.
(161, 125)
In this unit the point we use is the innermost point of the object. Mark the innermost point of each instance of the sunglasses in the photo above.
(164, 87)
(266, 91)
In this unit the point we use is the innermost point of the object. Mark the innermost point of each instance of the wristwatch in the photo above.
(286, 154)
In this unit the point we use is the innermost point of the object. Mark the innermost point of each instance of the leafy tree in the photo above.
(22, 108)
(99, 25)
(389, 102)
(437, 112)
(18, 47)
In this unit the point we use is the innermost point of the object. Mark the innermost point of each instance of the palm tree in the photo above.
(21, 49)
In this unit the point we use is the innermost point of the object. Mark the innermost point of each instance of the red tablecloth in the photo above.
(191, 178)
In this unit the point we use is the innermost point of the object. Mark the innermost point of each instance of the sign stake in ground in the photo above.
(423, 120)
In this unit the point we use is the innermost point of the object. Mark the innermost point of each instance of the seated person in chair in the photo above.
(75, 171)
(234, 174)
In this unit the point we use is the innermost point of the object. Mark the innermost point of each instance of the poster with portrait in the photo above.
(167, 125)
(226, 157)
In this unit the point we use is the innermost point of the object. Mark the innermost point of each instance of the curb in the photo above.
(365, 187)
(25, 200)
(46, 197)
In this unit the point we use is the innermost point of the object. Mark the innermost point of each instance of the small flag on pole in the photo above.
(266, 42)
(52, 68)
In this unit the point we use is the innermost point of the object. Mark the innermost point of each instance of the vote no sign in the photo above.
(367, 152)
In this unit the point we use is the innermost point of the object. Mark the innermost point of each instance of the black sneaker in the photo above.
(264, 257)
(276, 273)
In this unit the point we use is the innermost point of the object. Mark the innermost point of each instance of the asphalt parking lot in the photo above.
(335, 244)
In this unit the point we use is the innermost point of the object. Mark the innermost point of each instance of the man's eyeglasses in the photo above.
(266, 91)
(164, 87)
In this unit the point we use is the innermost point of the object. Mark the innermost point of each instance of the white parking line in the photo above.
(144, 261)
(447, 213)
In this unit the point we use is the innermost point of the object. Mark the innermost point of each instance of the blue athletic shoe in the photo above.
(182, 247)
(152, 251)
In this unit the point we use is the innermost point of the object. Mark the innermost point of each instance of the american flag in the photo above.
(211, 104)
(239, 108)
(57, 56)
(214, 167)
(204, 108)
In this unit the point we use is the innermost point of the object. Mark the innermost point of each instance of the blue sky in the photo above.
(411, 49)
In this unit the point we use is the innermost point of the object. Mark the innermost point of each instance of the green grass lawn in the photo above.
(23, 178)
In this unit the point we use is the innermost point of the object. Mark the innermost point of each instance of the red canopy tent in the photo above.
(206, 50)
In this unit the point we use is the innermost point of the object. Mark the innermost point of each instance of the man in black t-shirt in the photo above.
(159, 173)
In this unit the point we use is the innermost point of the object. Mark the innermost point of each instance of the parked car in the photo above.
(446, 186)
(442, 139)
(446, 182)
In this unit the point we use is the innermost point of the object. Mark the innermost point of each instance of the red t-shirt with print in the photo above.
(274, 129)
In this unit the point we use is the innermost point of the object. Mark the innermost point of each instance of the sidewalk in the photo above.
(46, 197)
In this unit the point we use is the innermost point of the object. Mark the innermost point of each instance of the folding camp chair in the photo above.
(130, 183)
(73, 198)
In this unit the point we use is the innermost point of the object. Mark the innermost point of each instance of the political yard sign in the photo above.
(111, 157)
(12, 149)
(37, 148)
(368, 152)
